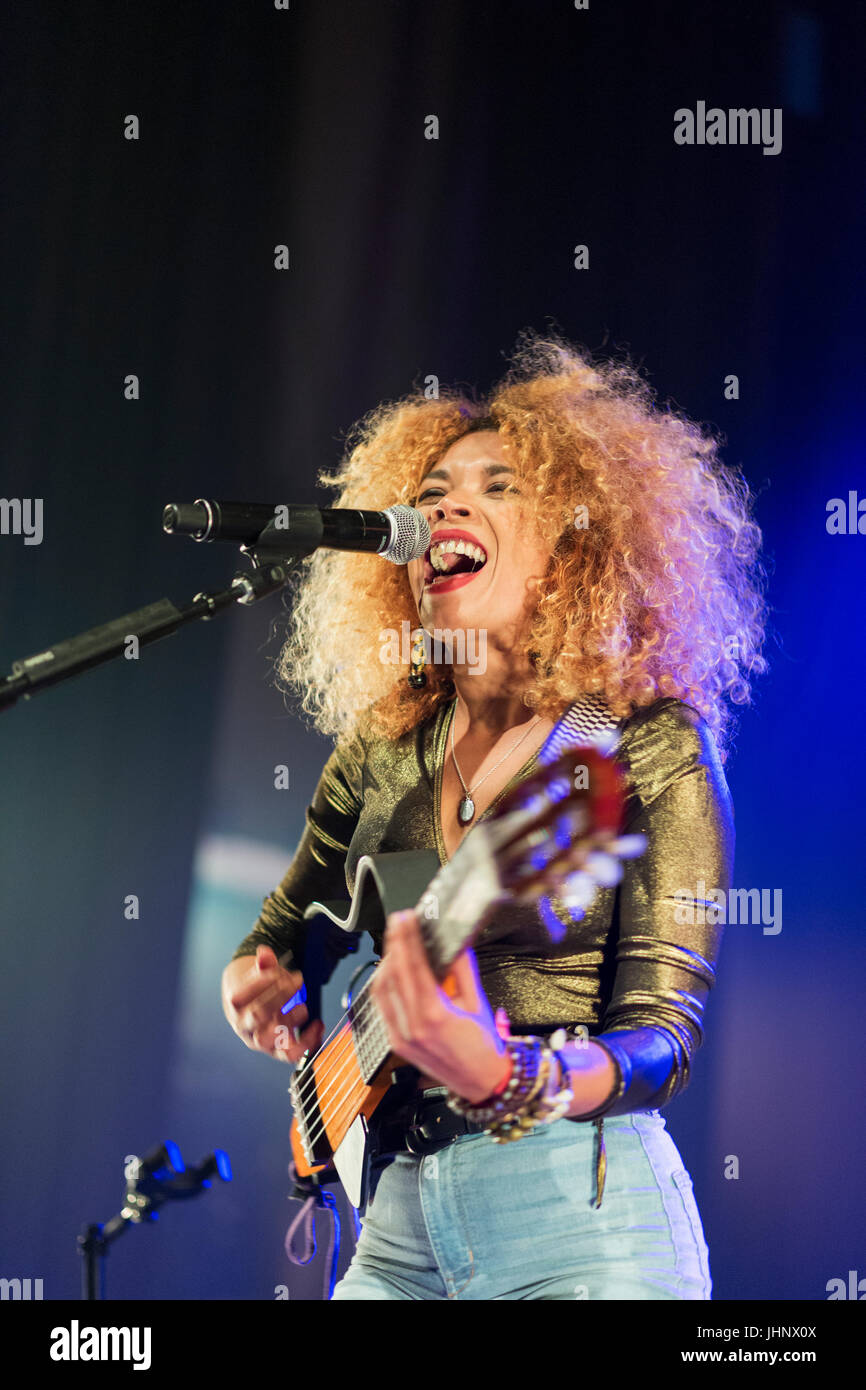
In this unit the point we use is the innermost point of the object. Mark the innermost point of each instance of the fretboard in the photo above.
(456, 906)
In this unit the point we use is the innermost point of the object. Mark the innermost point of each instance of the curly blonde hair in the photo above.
(654, 586)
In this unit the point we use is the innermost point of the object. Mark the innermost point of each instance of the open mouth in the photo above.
(451, 557)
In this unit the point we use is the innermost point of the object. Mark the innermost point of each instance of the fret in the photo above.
(458, 902)
(369, 1034)
(525, 851)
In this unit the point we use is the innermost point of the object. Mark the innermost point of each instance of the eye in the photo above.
(429, 493)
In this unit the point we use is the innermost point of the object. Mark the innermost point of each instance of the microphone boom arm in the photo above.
(98, 645)
(397, 535)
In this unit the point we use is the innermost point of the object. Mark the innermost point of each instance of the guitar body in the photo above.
(556, 828)
(338, 1133)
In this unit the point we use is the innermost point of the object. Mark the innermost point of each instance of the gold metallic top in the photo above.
(635, 972)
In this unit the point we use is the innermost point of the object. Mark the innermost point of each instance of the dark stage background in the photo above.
(408, 257)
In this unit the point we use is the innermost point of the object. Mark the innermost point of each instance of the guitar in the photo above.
(555, 833)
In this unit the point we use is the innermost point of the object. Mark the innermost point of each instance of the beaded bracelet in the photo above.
(551, 1103)
(532, 1095)
(497, 1090)
(522, 1085)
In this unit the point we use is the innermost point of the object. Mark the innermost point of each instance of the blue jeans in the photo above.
(486, 1221)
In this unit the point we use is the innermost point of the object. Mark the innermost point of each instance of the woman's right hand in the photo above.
(254, 989)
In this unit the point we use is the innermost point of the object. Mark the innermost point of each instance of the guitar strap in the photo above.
(587, 720)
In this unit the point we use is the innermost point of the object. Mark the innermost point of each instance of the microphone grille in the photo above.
(410, 535)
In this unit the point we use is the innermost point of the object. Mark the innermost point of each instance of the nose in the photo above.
(450, 506)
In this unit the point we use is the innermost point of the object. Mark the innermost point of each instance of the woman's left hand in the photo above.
(453, 1039)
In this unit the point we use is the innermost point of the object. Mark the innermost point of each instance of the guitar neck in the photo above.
(496, 861)
(454, 909)
(557, 833)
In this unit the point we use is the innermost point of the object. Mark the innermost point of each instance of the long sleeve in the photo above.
(317, 871)
(666, 949)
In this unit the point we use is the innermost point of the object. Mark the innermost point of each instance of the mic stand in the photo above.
(273, 556)
(146, 1192)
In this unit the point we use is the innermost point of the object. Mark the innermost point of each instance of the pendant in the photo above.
(466, 810)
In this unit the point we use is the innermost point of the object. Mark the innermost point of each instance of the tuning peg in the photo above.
(571, 825)
(558, 788)
(578, 890)
(605, 869)
(555, 928)
(628, 846)
(607, 742)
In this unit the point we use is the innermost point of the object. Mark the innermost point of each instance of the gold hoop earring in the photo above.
(417, 672)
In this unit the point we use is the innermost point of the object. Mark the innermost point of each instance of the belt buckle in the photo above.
(419, 1140)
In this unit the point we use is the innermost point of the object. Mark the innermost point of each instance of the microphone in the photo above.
(398, 534)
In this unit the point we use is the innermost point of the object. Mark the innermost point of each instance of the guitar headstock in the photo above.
(558, 834)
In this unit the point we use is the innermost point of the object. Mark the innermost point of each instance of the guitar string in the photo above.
(361, 1009)
(329, 1078)
(499, 832)
(323, 1079)
(364, 1015)
(358, 1015)
(309, 1080)
(336, 1104)
(347, 1057)
(274, 989)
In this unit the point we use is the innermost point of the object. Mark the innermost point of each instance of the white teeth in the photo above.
(474, 552)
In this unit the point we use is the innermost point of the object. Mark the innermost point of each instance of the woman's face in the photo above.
(470, 501)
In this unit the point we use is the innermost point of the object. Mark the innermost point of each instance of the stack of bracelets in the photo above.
(530, 1094)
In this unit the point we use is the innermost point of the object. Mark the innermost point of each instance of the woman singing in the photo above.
(603, 565)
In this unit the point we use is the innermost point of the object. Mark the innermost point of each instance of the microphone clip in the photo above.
(286, 545)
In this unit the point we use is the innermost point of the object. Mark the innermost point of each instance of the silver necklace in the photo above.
(466, 809)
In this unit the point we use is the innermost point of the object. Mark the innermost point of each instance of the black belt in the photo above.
(421, 1126)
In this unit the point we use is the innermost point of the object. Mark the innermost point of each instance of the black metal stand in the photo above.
(273, 556)
(159, 1177)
